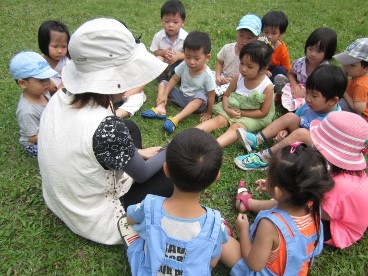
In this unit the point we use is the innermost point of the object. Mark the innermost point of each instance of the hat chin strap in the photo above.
(111, 105)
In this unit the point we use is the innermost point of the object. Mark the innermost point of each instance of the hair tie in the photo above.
(294, 146)
(266, 40)
(138, 38)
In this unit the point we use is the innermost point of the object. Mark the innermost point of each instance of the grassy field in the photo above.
(35, 242)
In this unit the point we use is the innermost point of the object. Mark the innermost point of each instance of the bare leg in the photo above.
(191, 107)
(121, 113)
(212, 124)
(160, 108)
(298, 135)
(289, 121)
(230, 253)
(229, 137)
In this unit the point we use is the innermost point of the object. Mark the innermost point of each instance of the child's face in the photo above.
(317, 102)
(355, 70)
(272, 33)
(195, 59)
(248, 68)
(314, 55)
(172, 24)
(58, 45)
(243, 37)
(35, 87)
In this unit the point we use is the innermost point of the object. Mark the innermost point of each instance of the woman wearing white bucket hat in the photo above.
(342, 139)
(91, 163)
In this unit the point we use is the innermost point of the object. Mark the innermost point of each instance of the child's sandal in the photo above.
(170, 124)
(243, 198)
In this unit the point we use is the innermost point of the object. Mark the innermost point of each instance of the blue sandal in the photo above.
(153, 114)
(170, 124)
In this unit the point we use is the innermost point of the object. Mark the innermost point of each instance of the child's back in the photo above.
(176, 240)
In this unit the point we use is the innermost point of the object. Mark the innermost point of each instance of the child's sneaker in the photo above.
(247, 139)
(250, 162)
(127, 232)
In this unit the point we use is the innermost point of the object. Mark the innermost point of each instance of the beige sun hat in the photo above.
(106, 59)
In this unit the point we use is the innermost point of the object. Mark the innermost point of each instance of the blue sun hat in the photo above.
(251, 22)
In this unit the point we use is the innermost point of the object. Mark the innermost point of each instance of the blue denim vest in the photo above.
(296, 244)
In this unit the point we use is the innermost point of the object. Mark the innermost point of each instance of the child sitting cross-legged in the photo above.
(197, 90)
(178, 235)
(324, 87)
(285, 239)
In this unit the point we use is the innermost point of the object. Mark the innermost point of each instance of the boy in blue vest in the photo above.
(177, 235)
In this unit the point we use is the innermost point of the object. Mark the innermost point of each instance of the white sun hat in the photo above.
(106, 59)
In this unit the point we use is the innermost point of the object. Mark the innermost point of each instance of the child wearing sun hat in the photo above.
(355, 61)
(342, 139)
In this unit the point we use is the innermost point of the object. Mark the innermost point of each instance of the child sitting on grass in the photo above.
(274, 24)
(324, 87)
(227, 64)
(285, 239)
(355, 61)
(32, 73)
(53, 40)
(197, 90)
(318, 49)
(177, 235)
(248, 101)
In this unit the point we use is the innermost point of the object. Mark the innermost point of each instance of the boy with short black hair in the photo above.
(324, 87)
(197, 90)
(227, 64)
(179, 236)
(32, 73)
(167, 44)
(355, 61)
(274, 25)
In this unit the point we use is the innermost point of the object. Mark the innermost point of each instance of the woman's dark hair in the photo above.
(81, 100)
(259, 52)
(44, 34)
(325, 39)
(198, 40)
(328, 79)
(301, 172)
(275, 19)
(193, 159)
(334, 170)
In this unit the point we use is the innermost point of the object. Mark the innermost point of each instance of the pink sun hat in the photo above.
(341, 138)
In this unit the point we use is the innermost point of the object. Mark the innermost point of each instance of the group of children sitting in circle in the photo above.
(317, 159)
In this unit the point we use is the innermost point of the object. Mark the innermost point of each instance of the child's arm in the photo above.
(132, 92)
(211, 100)
(233, 113)
(33, 139)
(357, 107)
(256, 253)
(170, 85)
(218, 70)
(265, 106)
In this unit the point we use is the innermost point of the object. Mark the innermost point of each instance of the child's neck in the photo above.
(184, 205)
(311, 67)
(51, 61)
(293, 210)
(172, 38)
(254, 82)
(37, 99)
(197, 73)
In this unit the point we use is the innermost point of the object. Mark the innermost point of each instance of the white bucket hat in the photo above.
(107, 60)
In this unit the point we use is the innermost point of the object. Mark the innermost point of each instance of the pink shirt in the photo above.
(347, 205)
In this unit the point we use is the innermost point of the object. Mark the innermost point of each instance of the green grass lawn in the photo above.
(32, 240)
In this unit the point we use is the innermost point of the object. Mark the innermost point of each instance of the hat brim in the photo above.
(254, 31)
(48, 73)
(345, 59)
(141, 68)
(329, 154)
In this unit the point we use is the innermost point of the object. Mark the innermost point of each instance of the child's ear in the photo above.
(334, 100)
(208, 57)
(166, 170)
(22, 83)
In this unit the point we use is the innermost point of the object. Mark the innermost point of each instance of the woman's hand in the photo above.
(149, 152)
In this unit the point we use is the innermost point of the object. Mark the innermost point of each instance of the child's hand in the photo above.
(161, 100)
(170, 56)
(261, 185)
(300, 93)
(204, 117)
(281, 135)
(221, 80)
(242, 223)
